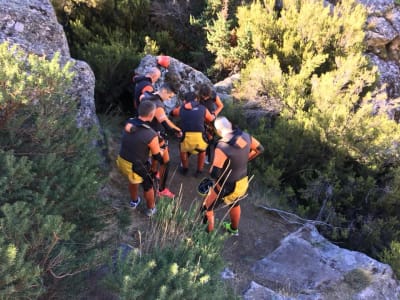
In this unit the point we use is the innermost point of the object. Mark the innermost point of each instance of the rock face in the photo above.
(33, 26)
(383, 47)
(307, 266)
(183, 77)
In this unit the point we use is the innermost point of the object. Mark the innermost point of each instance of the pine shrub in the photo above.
(179, 260)
(49, 177)
(330, 153)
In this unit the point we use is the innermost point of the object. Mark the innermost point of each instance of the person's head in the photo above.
(146, 110)
(189, 96)
(223, 126)
(163, 61)
(154, 74)
(166, 92)
(205, 92)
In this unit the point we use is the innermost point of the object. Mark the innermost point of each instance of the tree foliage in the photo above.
(49, 177)
(335, 156)
(113, 35)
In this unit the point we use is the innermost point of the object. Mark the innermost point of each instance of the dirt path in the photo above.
(260, 232)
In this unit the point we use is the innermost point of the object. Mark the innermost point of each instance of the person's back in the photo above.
(192, 116)
(161, 124)
(156, 99)
(236, 147)
(134, 145)
(144, 83)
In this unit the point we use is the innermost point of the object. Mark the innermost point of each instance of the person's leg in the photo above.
(209, 204)
(235, 217)
(134, 191)
(185, 162)
(150, 200)
(164, 170)
(149, 196)
(200, 161)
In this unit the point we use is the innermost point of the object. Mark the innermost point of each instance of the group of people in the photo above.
(144, 154)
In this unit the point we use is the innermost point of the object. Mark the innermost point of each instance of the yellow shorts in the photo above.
(126, 168)
(193, 142)
(240, 190)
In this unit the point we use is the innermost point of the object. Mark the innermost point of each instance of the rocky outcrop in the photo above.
(181, 76)
(383, 47)
(33, 26)
(307, 266)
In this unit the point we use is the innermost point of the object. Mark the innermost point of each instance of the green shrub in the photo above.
(179, 260)
(49, 178)
(391, 256)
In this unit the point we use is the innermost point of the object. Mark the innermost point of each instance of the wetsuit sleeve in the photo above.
(219, 105)
(255, 148)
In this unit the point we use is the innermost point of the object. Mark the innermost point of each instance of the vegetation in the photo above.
(178, 260)
(330, 155)
(113, 35)
(49, 178)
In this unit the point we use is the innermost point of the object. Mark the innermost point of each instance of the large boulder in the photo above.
(307, 266)
(181, 76)
(33, 26)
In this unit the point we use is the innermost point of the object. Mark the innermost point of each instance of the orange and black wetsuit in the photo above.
(142, 84)
(214, 105)
(193, 116)
(162, 125)
(135, 147)
(229, 169)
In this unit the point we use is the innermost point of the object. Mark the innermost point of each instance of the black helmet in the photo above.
(204, 186)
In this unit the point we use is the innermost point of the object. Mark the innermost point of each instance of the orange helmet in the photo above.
(163, 61)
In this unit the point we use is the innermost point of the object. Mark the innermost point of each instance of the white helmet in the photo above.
(223, 126)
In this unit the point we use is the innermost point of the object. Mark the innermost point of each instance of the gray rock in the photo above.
(34, 27)
(377, 7)
(183, 77)
(259, 292)
(307, 266)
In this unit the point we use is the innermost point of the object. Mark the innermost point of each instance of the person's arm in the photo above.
(162, 118)
(209, 117)
(155, 150)
(129, 126)
(147, 88)
(216, 169)
(175, 112)
(219, 105)
(255, 148)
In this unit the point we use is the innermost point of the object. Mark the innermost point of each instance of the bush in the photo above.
(49, 178)
(179, 260)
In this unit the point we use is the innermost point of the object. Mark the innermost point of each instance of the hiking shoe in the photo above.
(228, 228)
(135, 204)
(166, 193)
(151, 211)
